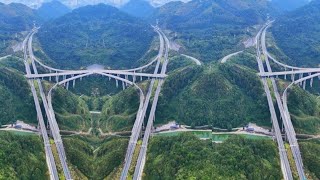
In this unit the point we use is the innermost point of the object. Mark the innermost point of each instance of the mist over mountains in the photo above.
(79, 3)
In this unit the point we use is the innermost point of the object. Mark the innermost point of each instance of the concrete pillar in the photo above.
(123, 86)
(74, 83)
(80, 78)
(117, 83)
(301, 76)
(109, 78)
(311, 82)
(292, 77)
(134, 78)
(304, 85)
(67, 86)
(57, 78)
(140, 78)
(285, 76)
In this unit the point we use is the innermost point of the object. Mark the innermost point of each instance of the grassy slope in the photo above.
(22, 157)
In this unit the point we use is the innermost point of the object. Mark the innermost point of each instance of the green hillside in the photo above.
(211, 29)
(14, 18)
(119, 112)
(185, 156)
(298, 35)
(221, 95)
(94, 158)
(72, 112)
(311, 161)
(96, 34)
(15, 95)
(22, 157)
(305, 110)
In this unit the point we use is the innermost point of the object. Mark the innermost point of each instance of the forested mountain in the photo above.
(15, 17)
(224, 96)
(96, 34)
(22, 157)
(186, 156)
(138, 8)
(15, 96)
(298, 34)
(52, 10)
(211, 29)
(288, 5)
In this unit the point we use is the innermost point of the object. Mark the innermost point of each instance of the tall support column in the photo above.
(140, 78)
(109, 78)
(117, 83)
(57, 78)
(311, 82)
(301, 76)
(74, 83)
(67, 85)
(292, 77)
(123, 86)
(64, 78)
(134, 78)
(304, 84)
(80, 78)
(285, 76)
(126, 77)
(50, 76)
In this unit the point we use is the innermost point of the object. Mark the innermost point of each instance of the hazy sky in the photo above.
(75, 3)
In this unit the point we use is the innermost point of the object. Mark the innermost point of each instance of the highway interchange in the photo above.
(34, 78)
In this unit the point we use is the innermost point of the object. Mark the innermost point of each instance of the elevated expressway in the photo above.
(64, 77)
(303, 74)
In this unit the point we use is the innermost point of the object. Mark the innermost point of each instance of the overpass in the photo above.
(303, 74)
(64, 77)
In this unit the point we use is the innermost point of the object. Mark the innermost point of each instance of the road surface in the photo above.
(197, 61)
(224, 60)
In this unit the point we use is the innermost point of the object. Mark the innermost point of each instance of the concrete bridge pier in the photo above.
(126, 77)
(67, 86)
(74, 83)
(292, 77)
(304, 85)
(123, 86)
(57, 79)
(50, 76)
(134, 78)
(117, 83)
(285, 76)
(301, 76)
(140, 78)
(311, 82)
